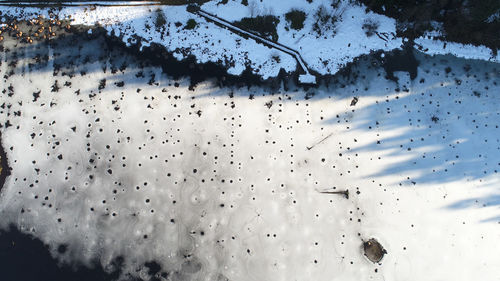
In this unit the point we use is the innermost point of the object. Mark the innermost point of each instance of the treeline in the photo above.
(466, 21)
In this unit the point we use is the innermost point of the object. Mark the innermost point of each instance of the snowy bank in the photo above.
(324, 54)
(340, 43)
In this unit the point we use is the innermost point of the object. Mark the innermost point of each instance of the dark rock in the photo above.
(373, 250)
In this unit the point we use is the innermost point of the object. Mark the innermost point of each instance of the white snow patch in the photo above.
(432, 46)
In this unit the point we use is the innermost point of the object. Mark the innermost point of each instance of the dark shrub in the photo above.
(160, 19)
(191, 24)
(370, 26)
(296, 19)
(263, 25)
(325, 20)
(55, 87)
(182, 2)
(102, 84)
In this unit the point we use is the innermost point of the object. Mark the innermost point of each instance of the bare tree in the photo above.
(252, 7)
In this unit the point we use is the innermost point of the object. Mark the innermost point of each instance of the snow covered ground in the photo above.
(326, 54)
(222, 183)
(432, 46)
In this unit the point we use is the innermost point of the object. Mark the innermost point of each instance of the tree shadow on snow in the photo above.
(444, 124)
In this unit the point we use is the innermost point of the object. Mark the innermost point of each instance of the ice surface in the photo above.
(225, 182)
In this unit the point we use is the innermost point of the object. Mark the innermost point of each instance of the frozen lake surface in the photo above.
(112, 158)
